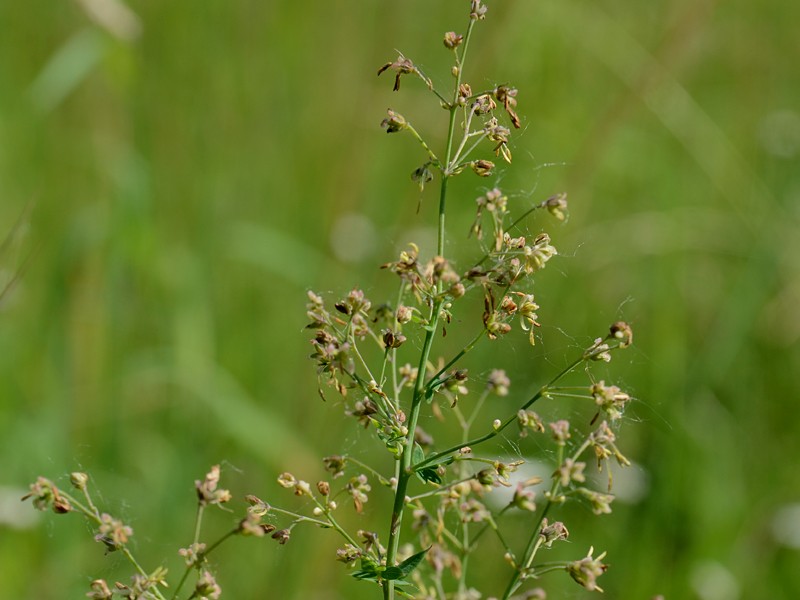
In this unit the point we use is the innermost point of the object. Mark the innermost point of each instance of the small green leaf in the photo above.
(369, 571)
(412, 562)
(436, 460)
(392, 573)
(418, 454)
(429, 474)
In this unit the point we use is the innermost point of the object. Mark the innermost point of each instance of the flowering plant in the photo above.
(389, 365)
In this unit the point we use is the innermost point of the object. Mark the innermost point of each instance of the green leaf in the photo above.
(369, 571)
(436, 460)
(429, 474)
(429, 394)
(417, 454)
(401, 593)
(392, 573)
(411, 563)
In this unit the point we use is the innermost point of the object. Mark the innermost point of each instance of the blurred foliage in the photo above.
(174, 177)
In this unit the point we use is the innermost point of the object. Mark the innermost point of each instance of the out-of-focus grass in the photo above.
(185, 184)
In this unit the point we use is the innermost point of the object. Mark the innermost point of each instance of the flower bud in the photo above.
(287, 480)
(78, 480)
(404, 314)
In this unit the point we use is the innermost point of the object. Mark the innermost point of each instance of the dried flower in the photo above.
(560, 430)
(282, 536)
(527, 312)
(370, 540)
(46, 495)
(207, 492)
(537, 255)
(464, 93)
(302, 488)
(482, 168)
(527, 419)
(193, 555)
(452, 40)
(358, 487)
(257, 506)
(206, 587)
(394, 122)
(473, 511)
(251, 525)
(335, 465)
(622, 331)
(402, 66)
(610, 399)
(100, 590)
(552, 533)
(570, 471)
(587, 570)
(113, 532)
(603, 443)
(508, 98)
(483, 104)
(349, 554)
(524, 498)
(392, 339)
(557, 206)
(601, 503)
(498, 382)
(477, 11)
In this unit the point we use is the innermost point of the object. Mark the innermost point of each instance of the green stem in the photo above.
(141, 571)
(381, 479)
(94, 515)
(405, 472)
(535, 540)
(198, 523)
(487, 436)
(435, 381)
(220, 540)
(514, 583)
(418, 137)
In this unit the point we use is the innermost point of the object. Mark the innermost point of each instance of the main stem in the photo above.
(416, 403)
(433, 325)
(406, 472)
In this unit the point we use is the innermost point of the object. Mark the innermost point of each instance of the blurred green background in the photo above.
(180, 174)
